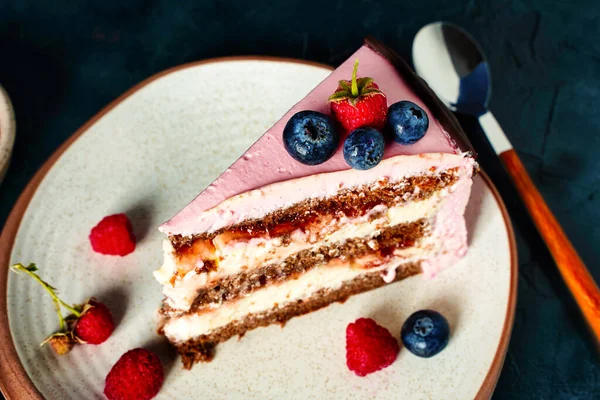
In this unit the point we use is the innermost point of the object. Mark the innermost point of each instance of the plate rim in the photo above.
(15, 383)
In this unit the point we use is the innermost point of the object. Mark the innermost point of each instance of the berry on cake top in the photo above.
(360, 109)
(358, 102)
(310, 137)
(363, 148)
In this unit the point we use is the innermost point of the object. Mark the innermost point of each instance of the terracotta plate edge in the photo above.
(14, 380)
(491, 379)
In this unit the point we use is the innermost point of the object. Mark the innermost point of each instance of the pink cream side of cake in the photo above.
(450, 228)
(267, 162)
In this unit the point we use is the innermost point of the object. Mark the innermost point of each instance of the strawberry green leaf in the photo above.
(364, 82)
(31, 267)
(352, 91)
(372, 92)
(341, 95)
(345, 85)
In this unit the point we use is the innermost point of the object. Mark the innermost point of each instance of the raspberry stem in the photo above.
(30, 270)
(354, 89)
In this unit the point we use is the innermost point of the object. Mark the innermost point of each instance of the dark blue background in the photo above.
(62, 61)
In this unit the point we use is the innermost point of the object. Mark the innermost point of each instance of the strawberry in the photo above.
(90, 322)
(358, 103)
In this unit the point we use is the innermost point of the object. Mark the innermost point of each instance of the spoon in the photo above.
(454, 66)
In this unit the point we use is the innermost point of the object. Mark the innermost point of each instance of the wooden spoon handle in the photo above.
(571, 267)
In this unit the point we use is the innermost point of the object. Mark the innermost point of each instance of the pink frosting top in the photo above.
(267, 162)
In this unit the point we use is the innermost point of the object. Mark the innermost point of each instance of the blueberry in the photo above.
(310, 137)
(363, 148)
(425, 333)
(407, 122)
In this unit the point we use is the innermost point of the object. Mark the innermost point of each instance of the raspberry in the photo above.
(369, 347)
(138, 374)
(95, 324)
(113, 235)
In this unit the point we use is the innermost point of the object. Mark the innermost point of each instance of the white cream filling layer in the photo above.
(187, 327)
(255, 253)
(258, 252)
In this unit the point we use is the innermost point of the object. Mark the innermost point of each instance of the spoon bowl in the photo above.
(452, 63)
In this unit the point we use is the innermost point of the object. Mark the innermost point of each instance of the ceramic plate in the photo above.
(148, 154)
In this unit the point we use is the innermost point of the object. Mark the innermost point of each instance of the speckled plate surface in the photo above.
(148, 154)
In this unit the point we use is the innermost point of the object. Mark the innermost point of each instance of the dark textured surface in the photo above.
(62, 62)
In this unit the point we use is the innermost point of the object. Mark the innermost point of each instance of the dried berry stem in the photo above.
(30, 270)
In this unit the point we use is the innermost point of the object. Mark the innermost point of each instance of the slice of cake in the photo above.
(273, 238)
